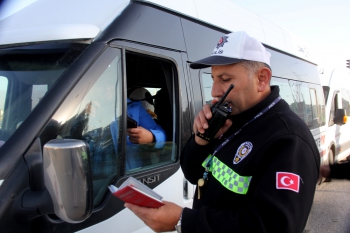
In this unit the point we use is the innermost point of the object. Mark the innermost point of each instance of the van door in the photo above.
(95, 111)
(98, 116)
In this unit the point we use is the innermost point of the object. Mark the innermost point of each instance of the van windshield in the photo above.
(26, 74)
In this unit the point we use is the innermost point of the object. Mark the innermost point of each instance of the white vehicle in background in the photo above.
(336, 87)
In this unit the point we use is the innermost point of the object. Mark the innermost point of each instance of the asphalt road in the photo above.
(331, 208)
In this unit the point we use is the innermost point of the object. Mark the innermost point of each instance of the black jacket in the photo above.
(281, 142)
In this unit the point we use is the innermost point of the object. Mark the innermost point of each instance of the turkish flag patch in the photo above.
(286, 180)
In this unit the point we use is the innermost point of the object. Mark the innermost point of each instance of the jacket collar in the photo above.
(240, 119)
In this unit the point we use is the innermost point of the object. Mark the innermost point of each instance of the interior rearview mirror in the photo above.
(68, 178)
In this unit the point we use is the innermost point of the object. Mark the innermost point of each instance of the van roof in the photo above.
(52, 20)
(232, 17)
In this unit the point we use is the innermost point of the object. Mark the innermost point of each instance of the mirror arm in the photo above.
(36, 201)
(39, 200)
(34, 161)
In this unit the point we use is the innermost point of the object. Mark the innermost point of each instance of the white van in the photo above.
(66, 68)
(336, 87)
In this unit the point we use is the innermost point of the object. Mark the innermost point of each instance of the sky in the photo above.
(323, 24)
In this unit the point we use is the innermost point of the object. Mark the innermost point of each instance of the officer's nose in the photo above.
(217, 91)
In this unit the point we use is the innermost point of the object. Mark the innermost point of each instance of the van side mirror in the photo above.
(68, 178)
(340, 117)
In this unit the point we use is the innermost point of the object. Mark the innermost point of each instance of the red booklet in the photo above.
(134, 192)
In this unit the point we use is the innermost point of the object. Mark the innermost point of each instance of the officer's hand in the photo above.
(159, 220)
(140, 135)
(201, 123)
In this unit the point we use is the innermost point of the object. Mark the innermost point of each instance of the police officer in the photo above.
(259, 173)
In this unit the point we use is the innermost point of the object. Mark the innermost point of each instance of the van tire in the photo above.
(330, 162)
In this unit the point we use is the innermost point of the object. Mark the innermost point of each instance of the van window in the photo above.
(316, 114)
(27, 73)
(151, 85)
(346, 100)
(334, 105)
(285, 91)
(296, 94)
(290, 96)
(320, 103)
(304, 101)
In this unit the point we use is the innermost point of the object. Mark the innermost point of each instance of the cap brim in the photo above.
(214, 61)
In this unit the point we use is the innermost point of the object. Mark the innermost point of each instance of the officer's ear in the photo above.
(264, 77)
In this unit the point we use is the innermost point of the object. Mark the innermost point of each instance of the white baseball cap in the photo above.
(233, 48)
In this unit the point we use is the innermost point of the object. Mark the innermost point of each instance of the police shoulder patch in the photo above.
(243, 150)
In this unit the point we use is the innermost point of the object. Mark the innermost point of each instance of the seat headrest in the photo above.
(141, 93)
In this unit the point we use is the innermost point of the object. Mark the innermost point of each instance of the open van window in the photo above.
(27, 73)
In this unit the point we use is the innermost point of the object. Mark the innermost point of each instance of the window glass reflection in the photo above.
(3, 90)
(96, 105)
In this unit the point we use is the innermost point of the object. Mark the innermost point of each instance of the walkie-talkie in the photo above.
(220, 113)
